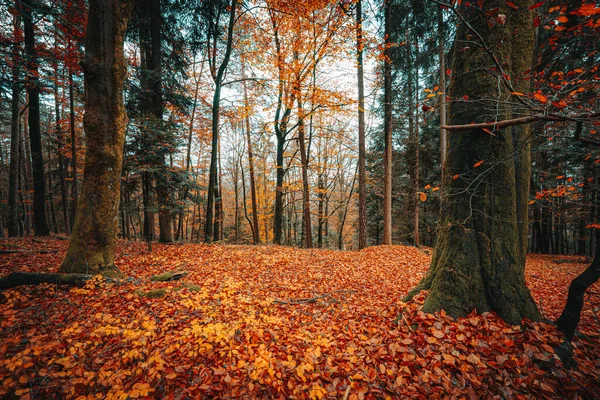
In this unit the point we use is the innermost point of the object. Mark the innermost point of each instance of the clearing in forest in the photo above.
(277, 322)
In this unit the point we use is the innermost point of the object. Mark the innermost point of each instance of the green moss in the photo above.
(151, 294)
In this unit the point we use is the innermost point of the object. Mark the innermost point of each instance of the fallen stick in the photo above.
(301, 301)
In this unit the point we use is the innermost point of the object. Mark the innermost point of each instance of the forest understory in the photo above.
(277, 322)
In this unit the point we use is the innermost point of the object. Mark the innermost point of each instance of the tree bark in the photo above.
(74, 186)
(388, 149)
(569, 318)
(362, 172)
(479, 258)
(255, 228)
(304, 161)
(442, 59)
(35, 134)
(93, 242)
(15, 138)
(212, 180)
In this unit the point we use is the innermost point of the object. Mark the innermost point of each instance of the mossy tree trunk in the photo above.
(92, 246)
(479, 258)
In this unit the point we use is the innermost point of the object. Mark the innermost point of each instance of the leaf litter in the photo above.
(279, 322)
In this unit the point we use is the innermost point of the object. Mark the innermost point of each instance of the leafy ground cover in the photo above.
(277, 322)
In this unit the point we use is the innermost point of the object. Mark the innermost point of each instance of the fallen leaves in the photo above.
(242, 331)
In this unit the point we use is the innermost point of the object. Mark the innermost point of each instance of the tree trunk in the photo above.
(255, 230)
(306, 218)
(388, 149)
(35, 134)
(93, 242)
(61, 162)
(15, 140)
(569, 318)
(362, 174)
(479, 258)
(442, 58)
(208, 227)
(74, 186)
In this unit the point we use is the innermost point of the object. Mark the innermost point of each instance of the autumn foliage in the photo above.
(278, 322)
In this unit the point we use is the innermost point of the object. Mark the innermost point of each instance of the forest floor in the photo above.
(277, 322)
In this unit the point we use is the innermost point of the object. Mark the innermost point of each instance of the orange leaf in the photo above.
(477, 164)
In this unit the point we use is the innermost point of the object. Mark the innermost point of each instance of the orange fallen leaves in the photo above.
(228, 337)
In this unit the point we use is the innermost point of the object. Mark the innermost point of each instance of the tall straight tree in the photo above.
(387, 126)
(35, 134)
(479, 258)
(15, 137)
(362, 173)
(218, 75)
(152, 103)
(93, 242)
(255, 227)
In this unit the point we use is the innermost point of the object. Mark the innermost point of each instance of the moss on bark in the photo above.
(479, 258)
(93, 240)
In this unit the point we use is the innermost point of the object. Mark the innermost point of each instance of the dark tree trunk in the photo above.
(35, 134)
(218, 78)
(278, 216)
(254, 225)
(306, 218)
(362, 174)
(569, 319)
(61, 162)
(15, 140)
(479, 258)
(387, 121)
(93, 242)
(74, 186)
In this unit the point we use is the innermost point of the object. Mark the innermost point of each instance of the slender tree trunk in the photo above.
(305, 187)
(61, 162)
(417, 144)
(35, 134)
(15, 138)
(388, 149)
(479, 258)
(93, 242)
(254, 225)
(442, 59)
(53, 224)
(362, 172)
(212, 181)
(74, 185)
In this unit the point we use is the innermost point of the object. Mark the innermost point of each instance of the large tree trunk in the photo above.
(15, 140)
(479, 258)
(362, 174)
(93, 242)
(388, 149)
(35, 134)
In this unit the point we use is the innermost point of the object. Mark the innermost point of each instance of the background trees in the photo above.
(288, 140)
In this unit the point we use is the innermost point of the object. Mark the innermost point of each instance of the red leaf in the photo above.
(536, 5)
